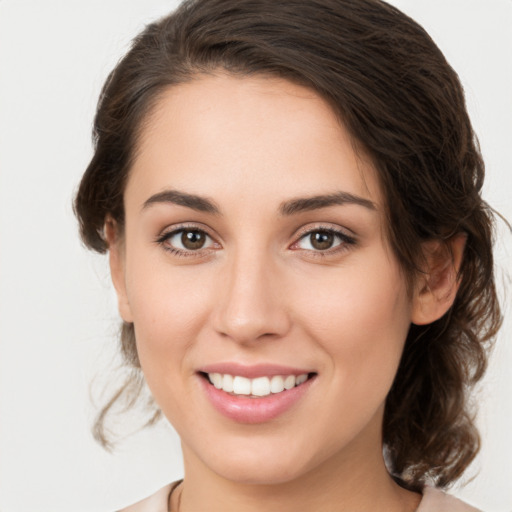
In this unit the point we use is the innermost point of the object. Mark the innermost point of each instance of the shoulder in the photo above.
(435, 500)
(157, 502)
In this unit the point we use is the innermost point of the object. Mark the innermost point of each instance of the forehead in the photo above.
(264, 138)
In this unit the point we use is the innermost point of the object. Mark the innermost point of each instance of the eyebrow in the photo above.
(323, 201)
(199, 203)
(290, 207)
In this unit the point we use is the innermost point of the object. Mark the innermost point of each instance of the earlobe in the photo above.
(437, 287)
(117, 267)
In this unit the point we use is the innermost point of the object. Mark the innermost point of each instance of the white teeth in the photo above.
(301, 379)
(277, 384)
(227, 383)
(289, 382)
(241, 386)
(216, 379)
(261, 386)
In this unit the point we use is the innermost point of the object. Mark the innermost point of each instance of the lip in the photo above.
(253, 371)
(242, 409)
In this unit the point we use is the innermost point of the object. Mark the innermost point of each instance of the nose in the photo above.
(251, 302)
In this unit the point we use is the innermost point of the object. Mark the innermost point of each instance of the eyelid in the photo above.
(346, 239)
(173, 230)
(183, 226)
(324, 226)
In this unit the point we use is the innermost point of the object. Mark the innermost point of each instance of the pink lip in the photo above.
(252, 371)
(243, 409)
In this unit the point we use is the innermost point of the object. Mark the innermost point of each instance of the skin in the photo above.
(258, 291)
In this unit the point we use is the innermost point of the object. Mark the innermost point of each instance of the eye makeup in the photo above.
(191, 240)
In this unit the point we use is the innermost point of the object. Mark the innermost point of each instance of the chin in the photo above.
(260, 463)
(260, 473)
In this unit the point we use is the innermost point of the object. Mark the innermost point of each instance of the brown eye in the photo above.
(321, 240)
(193, 240)
(186, 240)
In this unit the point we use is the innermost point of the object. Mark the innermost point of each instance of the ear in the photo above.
(116, 252)
(436, 288)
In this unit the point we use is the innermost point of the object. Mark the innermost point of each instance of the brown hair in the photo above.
(404, 106)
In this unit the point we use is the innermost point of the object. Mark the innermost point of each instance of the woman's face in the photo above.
(255, 249)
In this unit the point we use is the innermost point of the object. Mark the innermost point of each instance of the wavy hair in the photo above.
(404, 107)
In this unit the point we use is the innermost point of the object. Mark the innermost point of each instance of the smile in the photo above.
(255, 394)
(258, 387)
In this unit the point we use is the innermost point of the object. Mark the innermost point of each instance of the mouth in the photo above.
(259, 387)
(257, 396)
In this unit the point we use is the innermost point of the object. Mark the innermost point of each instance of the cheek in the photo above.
(360, 318)
(168, 308)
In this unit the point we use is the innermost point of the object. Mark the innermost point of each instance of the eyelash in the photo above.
(345, 241)
(162, 239)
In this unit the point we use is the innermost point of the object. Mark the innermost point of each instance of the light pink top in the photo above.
(433, 500)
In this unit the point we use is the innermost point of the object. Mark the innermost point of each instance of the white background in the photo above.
(58, 318)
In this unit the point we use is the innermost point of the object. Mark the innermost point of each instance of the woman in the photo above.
(290, 197)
